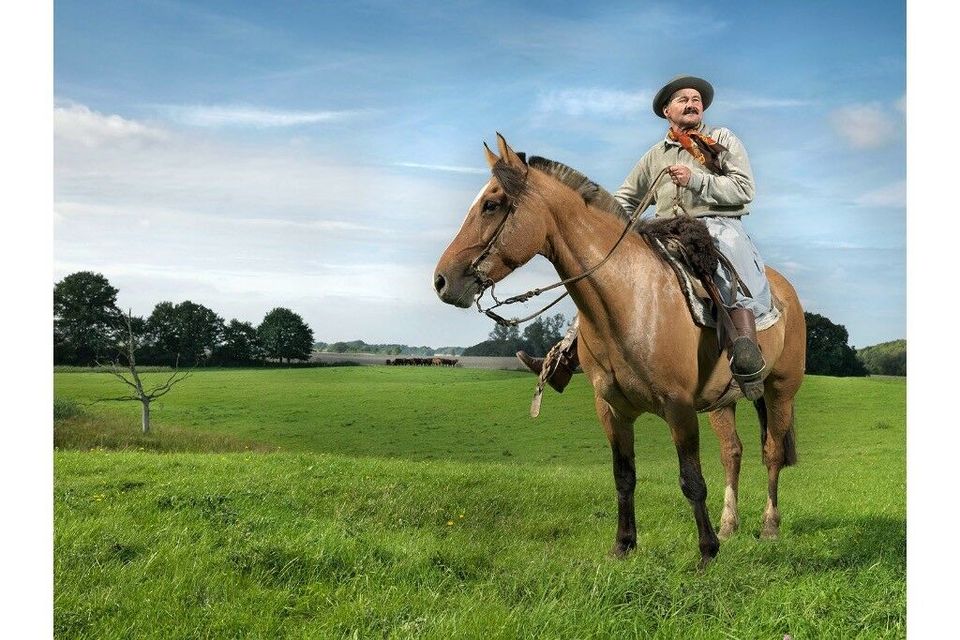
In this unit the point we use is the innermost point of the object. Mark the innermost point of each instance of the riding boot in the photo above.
(746, 361)
(563, 365)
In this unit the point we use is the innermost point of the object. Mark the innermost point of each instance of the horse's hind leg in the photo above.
(724, 425)
(685, 431)
(778, 438)
(620, 434)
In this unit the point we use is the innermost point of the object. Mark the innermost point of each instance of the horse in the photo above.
(638, 344)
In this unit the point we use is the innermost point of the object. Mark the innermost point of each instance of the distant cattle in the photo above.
(435, 361)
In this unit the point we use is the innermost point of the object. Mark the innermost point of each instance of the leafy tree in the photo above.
(491, 348)
(187, 331)
(537, 338)
(284, 334)
(886, 358)
(504, 341)
(86, 319)
(827, 350)
(502, 333)
(241, 345)
(543, 333)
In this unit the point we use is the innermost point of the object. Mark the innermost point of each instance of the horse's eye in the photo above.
(490, 205)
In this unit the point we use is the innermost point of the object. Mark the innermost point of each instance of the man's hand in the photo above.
(680, 174)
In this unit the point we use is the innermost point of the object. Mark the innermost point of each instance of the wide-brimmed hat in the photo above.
(682, 82)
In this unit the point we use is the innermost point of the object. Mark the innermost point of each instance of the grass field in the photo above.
(417, 502)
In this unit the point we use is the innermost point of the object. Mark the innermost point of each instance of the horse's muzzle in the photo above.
(459, 291)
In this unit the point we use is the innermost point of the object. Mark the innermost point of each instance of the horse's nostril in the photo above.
(439, 282)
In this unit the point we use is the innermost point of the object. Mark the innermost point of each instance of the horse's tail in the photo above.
(789, 439)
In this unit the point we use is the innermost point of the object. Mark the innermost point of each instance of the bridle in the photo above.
(480, 264)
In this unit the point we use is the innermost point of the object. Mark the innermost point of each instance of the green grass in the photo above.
(426, 503)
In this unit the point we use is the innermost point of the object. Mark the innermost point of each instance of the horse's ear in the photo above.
(509, 155)
(491, 156)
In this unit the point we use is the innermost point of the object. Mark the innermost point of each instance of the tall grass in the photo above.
(393, 511)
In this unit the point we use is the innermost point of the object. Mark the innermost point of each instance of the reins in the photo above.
(487, 283)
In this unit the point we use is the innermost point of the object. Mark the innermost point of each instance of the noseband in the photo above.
(479, 266)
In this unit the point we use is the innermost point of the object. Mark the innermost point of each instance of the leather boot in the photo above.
(530, 362)
(563, 366)
(746, 361)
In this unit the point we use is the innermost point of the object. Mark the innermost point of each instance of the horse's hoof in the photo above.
(770, 533)
(621, 550)
(705, 561)
(726, 531)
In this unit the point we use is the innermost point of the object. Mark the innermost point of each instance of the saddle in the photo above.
(685, 244)
(701, 306)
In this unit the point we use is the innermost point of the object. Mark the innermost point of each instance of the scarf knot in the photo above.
(704, 148)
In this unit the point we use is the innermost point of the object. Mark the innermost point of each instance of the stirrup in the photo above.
(556, 372)
(750, 383)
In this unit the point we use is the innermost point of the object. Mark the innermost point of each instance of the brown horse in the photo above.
(638, 344)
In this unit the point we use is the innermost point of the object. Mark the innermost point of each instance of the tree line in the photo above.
(829, 354)
(359, 346)
(89, 328)
(536, 339)
(828, 351)
(886, 358)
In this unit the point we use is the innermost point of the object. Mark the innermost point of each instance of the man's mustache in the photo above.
(690, 110)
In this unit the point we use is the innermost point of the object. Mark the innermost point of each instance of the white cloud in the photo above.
(891, 195)
(75, 123)
(593, 102)
(792, 266)
(207, 177)
(864, 126)
(837, 244)
(442, 167)
(613, 103)
(244, 227)
(66, 210)
(744, 101)
(249, 116)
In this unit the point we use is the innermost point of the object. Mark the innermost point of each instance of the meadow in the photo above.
(359, 502)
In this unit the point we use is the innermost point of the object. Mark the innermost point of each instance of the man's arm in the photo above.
(634, 187)
(736, 186)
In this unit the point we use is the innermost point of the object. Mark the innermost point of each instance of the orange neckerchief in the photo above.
(704, 148)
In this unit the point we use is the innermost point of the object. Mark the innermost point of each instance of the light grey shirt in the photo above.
(707, 194)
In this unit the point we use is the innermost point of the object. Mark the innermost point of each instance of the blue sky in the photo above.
(320, 156)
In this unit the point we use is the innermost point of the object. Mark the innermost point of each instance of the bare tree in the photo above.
(127, 373)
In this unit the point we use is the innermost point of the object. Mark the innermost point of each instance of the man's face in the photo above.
(684, 109)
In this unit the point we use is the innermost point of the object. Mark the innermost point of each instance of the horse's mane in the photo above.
(690, 232)
(592, 193)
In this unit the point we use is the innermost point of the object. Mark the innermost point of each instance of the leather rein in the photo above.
(479, 269)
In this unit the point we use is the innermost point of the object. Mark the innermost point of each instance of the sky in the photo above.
(321, 156)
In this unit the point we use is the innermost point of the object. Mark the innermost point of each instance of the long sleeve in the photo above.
(634, 187)
(736, 186)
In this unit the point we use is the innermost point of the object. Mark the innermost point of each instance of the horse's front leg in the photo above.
(686, 436)
(619, 432)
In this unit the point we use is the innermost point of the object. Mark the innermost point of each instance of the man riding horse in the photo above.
(710, 180)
